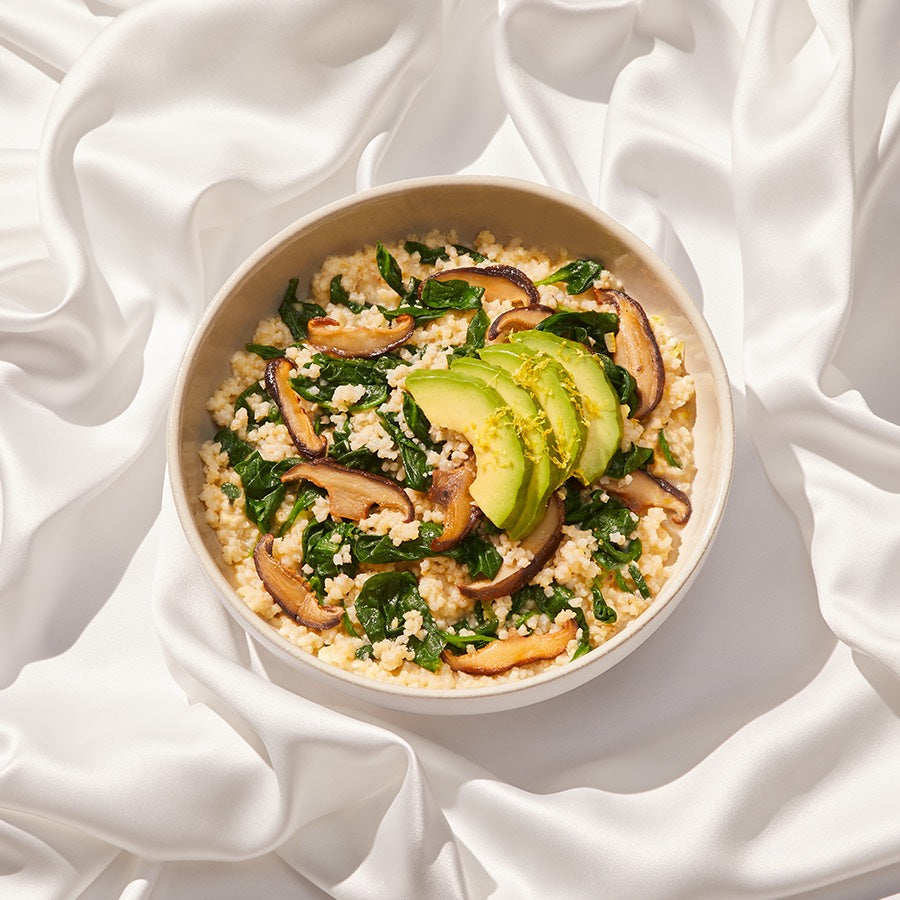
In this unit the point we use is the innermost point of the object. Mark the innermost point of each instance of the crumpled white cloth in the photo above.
(148, 749)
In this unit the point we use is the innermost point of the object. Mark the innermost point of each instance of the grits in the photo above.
(573, 566)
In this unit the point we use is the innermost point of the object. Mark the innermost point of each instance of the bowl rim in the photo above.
(432, 699)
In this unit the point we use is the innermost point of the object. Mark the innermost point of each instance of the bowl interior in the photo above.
(511, 210)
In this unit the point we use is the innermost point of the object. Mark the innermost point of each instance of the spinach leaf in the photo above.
(339, 296)
(582, 327)
(380, 607)
(623, 463)
(266, 351)
(231, 491)
(362, 458)
(578, 275)
(610, 555)
(620, 378)
(233, 446)
(603, 612)
(603, 519)
(263, 490)
(296, 318)
(524, 598)
(320, 542)
(389, 269)
(584, 636)
(483, 622)
(418, 472)
(390, 272)
(474, 335)
(419, 313)
(474, 254)
(453, 294)
(416, 420)
(349, 627)
(380, 549)
(435, 299)
(428, 256)
(461, 641)
(533, 598)
(428, 651)
(560, 598)
(305, 499)
(480, 556)
(485, 618)
(670, 457)
(365, 652)
(371, 374)
(639, 581)
(254, 390)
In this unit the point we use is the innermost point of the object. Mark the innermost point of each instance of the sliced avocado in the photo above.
(481, 416)
(596, 397)
(552, 388)
(533, 429)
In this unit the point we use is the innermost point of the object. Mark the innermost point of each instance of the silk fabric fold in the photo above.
(148, 748)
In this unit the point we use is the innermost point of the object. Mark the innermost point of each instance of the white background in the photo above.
(750, 748)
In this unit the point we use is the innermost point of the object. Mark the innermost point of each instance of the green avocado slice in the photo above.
(482, 417)
(552, 387)
(595, 396)
(533, 428)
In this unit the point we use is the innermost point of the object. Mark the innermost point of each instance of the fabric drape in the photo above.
(148, 748)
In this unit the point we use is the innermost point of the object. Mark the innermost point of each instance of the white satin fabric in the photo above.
(147, 749)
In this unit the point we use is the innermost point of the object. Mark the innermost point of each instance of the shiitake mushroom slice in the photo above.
(358, 341)
(499, 283)
(290, 591)
(450, 490)
(352, 493)
(636, 349)
(542, 542)
(646, 490)
(520, 318)
(514, 650)
(296, 419)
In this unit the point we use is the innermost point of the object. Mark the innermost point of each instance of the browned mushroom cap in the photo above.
(295, 417)
(352, 493)
(450, 489)
(637, 350)
(519, 319)
(358, 342)
(542, 542)
(290, 591)
(646, 490)
(515, 650)
(499, 283)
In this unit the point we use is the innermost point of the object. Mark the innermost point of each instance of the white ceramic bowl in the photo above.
(541, 217)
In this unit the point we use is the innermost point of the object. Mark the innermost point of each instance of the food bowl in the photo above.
(510, 209)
